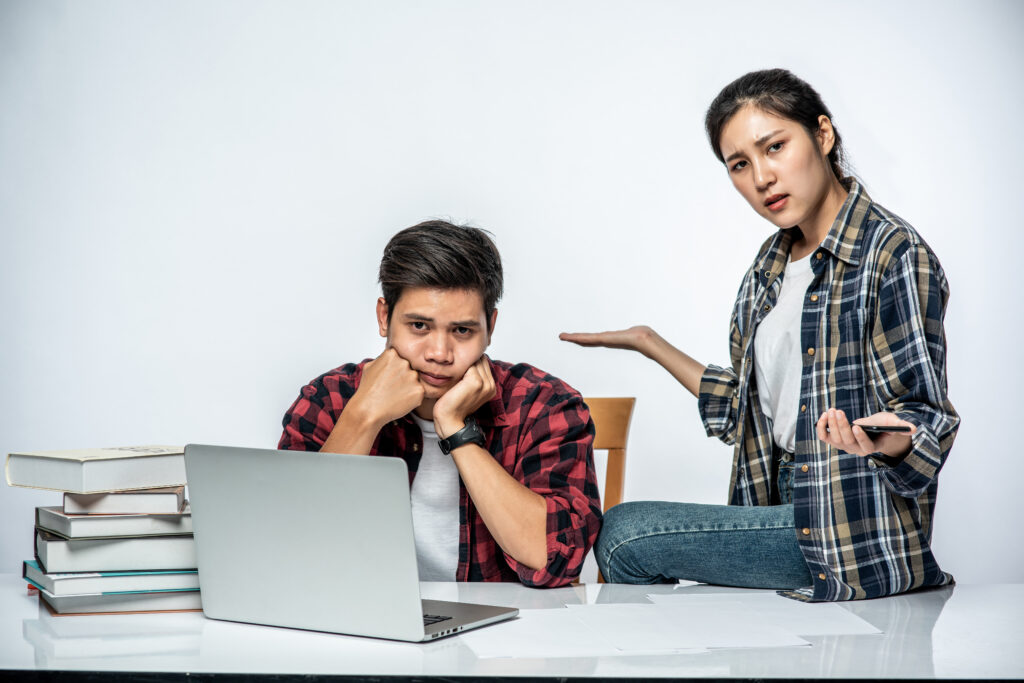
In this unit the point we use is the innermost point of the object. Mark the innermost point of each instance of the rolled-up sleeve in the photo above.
(305, 428)
(556, 461)
(311, 418)
(718, 398)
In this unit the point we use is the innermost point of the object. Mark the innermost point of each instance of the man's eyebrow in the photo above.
(418, 317)
(757, 143)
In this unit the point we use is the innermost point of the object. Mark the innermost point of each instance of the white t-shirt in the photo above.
(778, 359)
(435, 509)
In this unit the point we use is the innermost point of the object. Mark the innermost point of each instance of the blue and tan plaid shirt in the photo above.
(872, 330)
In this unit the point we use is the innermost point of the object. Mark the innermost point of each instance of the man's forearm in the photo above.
(353, 433)
(515, 515)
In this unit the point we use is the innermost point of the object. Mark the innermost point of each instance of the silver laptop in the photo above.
(315, 541)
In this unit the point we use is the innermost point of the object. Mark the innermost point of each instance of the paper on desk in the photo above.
(669, 627)
(801, 618)
(545, 633)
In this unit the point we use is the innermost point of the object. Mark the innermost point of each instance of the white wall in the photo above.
(194, 197)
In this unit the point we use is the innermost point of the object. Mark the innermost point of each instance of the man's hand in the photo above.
(834, 429)
(474, 390)
(389, 389)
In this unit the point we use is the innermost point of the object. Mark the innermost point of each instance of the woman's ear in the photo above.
(826, 135)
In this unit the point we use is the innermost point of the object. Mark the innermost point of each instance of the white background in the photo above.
(194, 197)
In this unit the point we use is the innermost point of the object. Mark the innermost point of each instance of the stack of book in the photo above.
(122, 540)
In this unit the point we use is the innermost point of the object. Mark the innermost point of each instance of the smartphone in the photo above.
(882, 429)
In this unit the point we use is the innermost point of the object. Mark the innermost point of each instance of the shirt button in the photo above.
(818, 256)
(767, 308)
(810, 351)
(415, 448)
(803, 408)
(821, 576)
(767, 273)
(807, 532)
(814, 297)
(804, 468)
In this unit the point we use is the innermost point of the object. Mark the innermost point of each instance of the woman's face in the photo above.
(781, 170)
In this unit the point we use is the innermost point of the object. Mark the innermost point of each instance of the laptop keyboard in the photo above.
(429, 619)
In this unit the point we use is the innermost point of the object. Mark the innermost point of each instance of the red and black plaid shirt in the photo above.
(536, 426)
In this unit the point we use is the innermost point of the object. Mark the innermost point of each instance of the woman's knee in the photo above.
(619, 548)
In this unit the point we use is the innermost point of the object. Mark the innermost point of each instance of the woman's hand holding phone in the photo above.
(879, 433)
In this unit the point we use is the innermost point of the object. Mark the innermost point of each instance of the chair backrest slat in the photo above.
(611, 420)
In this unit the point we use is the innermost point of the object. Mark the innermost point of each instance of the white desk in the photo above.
(971, 631)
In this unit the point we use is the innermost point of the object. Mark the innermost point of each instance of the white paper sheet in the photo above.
(542, 633)
(800, 618)
(668, 627)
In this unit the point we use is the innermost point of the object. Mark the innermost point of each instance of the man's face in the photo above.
(440, 332)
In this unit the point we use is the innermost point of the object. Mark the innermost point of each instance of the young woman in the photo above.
(836, 336)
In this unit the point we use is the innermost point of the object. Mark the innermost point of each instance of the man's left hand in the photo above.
(474, 390)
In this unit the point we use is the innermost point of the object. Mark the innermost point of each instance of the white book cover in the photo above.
(100, 603)
(58, 555)
(73, 583)
(144, 501)
(110, 526)
(94, 470)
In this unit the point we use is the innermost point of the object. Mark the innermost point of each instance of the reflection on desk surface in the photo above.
(956, 631)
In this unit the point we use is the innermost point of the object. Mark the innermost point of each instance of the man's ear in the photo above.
(490, 327)
(382, 317)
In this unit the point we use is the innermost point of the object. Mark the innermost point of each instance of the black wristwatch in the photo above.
(471, 433)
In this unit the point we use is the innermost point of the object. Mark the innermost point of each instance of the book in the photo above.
(105, 603)
(162, 501)
(93, 470)
(109, 582)
(57, 555)
(107, 526)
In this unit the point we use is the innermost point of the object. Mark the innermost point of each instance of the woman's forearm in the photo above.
(685, 369)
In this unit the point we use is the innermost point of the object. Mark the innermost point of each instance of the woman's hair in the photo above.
(440, 255)
(781, 93)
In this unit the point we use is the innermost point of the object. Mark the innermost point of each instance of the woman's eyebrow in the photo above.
(757, 143)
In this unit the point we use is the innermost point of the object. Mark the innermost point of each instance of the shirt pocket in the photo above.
(849, 370)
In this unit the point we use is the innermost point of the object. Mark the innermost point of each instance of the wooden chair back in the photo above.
(611, 420)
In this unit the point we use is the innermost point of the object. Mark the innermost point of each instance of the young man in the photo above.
(500, 456)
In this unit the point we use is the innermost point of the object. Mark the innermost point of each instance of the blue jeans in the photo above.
(729, 545)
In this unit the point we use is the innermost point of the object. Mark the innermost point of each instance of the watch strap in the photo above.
(471, 433)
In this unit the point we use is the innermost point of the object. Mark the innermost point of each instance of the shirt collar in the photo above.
(844, 238)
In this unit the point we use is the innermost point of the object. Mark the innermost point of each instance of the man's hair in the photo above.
(440, 255)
